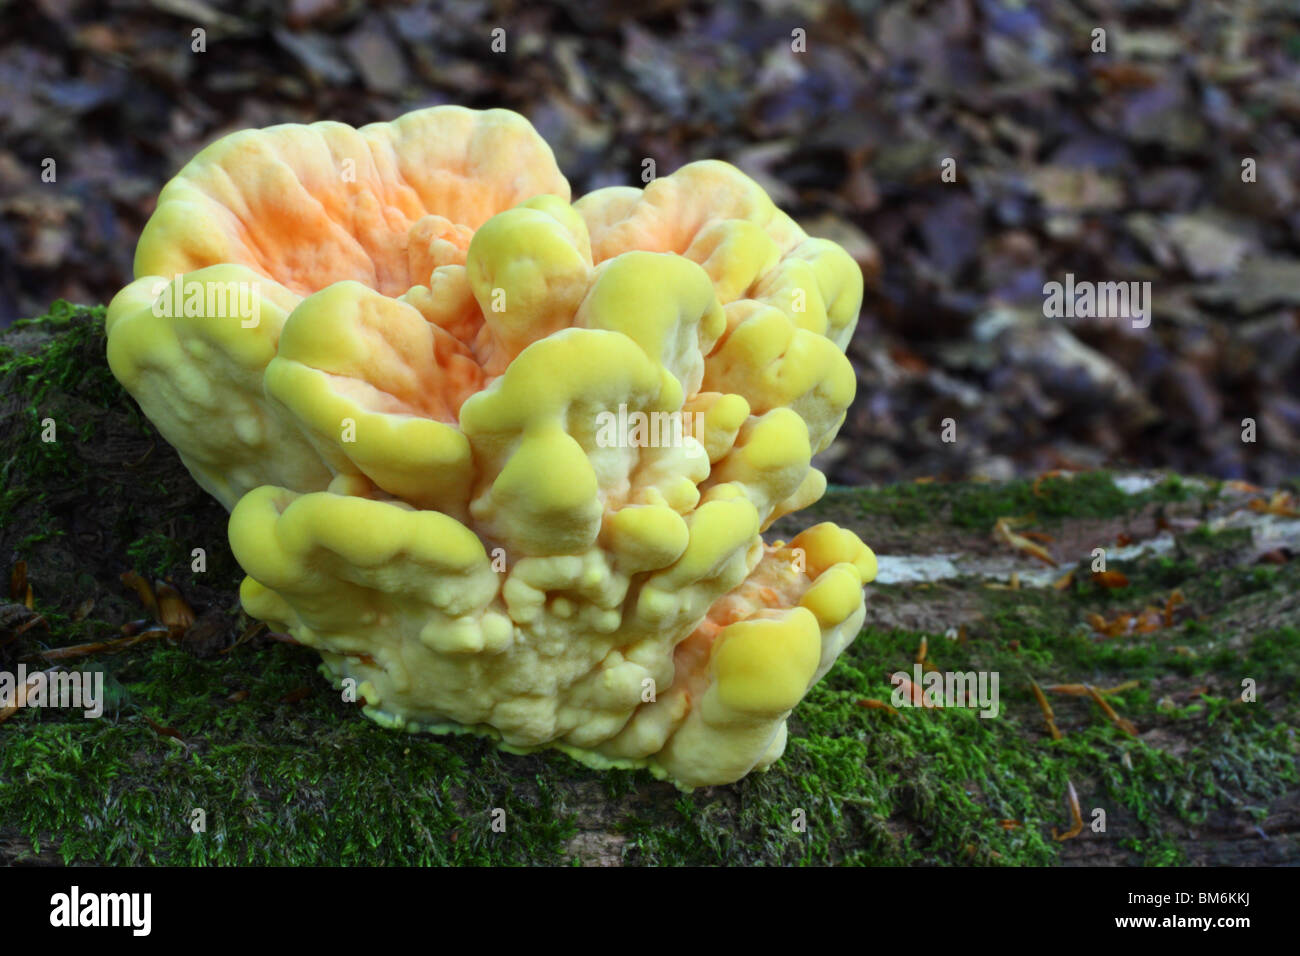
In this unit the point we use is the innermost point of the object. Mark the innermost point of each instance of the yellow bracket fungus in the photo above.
(502, 459)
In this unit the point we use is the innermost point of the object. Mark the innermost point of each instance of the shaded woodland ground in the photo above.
(1122, 165)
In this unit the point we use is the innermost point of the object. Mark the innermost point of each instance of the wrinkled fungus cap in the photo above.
(502, 459)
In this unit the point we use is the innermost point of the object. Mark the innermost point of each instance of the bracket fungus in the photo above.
(428, 387)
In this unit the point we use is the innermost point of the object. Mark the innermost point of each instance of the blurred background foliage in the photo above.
(1122, 165)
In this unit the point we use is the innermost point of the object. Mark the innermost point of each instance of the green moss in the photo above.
(977, 506)
(1087, 495)
(313, 782)
(1173, 489)
(69, 363)
(934, 786)
(64, 372)
(108, 482)
(158, 555)
(280, 783)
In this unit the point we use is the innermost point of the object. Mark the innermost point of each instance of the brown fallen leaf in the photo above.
(249, 633)
(1281, 504)
(16, 620)
(870, 703)
(20, 696)
(1002, 531)
(142, 590)
(207, 636)
(1036, 490)
(1123, 76)
(1072, 800)
(1048, 716)
(911, 690)
(1175, 598)
(1243, 486)
(1082, 690)
(295, 695)
(96, 647)
(1110, 579)
(1150, 620)
(19, 588)
(1146, 621)
(163, 731)
(1123, 724)
(1098, 623)
(174, 612)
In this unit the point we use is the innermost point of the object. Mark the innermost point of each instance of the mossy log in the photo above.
(1195, 634)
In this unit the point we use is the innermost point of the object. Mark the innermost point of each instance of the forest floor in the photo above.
(1191, 638)
(969, 154)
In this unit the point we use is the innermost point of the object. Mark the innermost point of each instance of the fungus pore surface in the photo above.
(502, 459)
